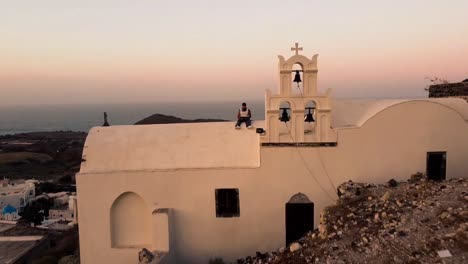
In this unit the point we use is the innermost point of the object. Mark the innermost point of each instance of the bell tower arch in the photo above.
(318, 132)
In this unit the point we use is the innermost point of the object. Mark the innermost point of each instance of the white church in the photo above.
(192, 192)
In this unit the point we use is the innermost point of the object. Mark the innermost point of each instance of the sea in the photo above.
(82, 117)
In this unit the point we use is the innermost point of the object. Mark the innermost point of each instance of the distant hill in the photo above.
(166, 119)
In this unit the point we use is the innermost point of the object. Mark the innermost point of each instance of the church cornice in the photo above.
(306, 71)
(299, 144)
(305, 97)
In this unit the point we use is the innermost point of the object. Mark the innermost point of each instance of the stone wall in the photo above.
(61, 213)
(449, 90)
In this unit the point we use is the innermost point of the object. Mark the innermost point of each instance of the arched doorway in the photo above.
(299, 217)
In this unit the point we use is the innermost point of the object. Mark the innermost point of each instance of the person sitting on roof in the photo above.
(244, 115)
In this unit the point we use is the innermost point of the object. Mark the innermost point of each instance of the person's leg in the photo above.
(239, 122)
(248, 123)
(242, 120)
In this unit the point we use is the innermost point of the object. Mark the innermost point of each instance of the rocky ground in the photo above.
(417, 221)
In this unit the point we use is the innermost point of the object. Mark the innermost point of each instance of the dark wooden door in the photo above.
(299, 220)
(436, 165)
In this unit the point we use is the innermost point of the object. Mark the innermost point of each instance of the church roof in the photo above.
(170, 146)
(355, 112)
(211, 145)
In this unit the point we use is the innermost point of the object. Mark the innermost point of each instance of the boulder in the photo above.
(392, 183)
(295, 247)
(351, 191)
(385, 197)
(416, 177)
(145, 256)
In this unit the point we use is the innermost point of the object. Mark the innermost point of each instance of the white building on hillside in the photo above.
(65, 212)
(14, 196)
(205, 190)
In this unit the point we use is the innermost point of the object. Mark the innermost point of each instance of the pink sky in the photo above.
(134, 51)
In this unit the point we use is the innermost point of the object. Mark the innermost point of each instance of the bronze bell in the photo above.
(284, 116)
(309, 117)
(297, 78)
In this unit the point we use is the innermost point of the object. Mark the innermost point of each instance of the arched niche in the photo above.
(297, 88)
(284, 111)
(280, 102)
(130, 222)
(309, 76)
(310, 117)
(308, 64)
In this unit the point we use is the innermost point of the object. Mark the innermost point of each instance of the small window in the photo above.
(227, 202)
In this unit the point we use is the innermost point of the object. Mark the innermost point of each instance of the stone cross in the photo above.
(296, 49)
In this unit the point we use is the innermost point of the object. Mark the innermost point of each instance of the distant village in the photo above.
(17, 195)
(38, 202)
(25, 213)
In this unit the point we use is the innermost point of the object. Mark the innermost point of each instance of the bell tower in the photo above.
(298, 113)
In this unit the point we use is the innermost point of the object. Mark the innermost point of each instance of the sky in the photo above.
(105, 51)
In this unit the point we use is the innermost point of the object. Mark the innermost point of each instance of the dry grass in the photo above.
(13, 157)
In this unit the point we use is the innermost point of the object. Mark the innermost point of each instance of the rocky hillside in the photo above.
(459, 89)
(165, 119)
(417, 221)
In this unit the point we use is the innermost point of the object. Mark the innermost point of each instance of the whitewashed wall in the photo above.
(392, 144)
